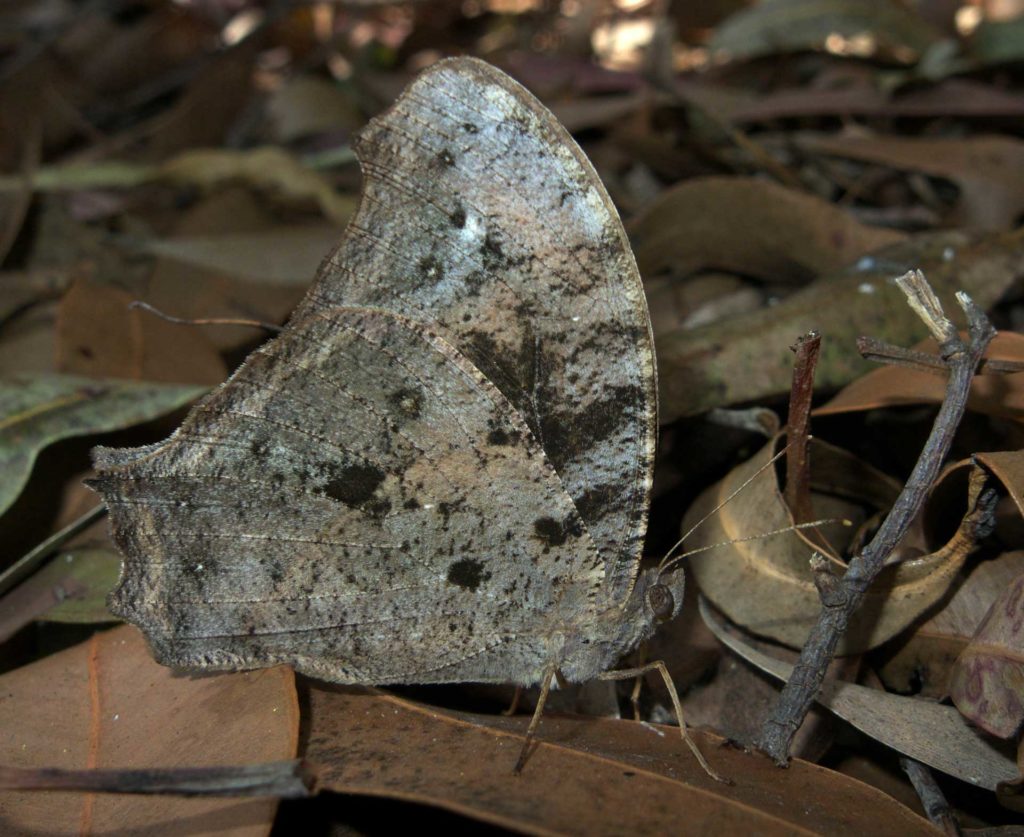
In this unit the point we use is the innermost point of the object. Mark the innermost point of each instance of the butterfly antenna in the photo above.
(145, 306)
(770, 534)
(665, 561)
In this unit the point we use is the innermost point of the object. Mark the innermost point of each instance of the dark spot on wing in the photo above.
(470, 128)
(355, 484)
(446, 158)
(567, 434)
(458, 218)
(467, 573)
(554, 532)
(498, 436)
(407, 402)
(596, 500)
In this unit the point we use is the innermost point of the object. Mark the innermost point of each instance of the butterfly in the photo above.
(440, 470)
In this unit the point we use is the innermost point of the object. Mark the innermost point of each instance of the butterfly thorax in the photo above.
(611, 634)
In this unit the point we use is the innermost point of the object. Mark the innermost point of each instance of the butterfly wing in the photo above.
(359, 501)
(480, 213)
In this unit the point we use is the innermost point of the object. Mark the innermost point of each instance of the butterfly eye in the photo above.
(659, 597)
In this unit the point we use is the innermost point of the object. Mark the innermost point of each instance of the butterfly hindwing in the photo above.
(357, 500)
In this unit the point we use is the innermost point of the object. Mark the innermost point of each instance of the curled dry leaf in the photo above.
(105, 703)
(988, 170)
(748, 226)
(584, 777)
(892, 386)
(39, 410)
(932, 734)
(701, 368)
(766, 585)
(922, 662)
(1007, 466)
(987, 682)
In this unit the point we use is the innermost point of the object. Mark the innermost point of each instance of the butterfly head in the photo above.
(663, 594)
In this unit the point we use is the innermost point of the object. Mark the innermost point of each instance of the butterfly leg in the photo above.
(634, 696)
(514, 705)
(659, 666)
(531, 731)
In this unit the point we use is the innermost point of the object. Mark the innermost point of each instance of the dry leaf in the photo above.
(891, 386)
(283, 255)
(306, 105)
(932, 734)
(748, 226)
(585, 776)
(99, 335)
(105, 703)
(748, 357)
(39, 410)
(989, 170)
(190, 288)
(766, 585)
(883, 28)
(924, 659)
(987, 681)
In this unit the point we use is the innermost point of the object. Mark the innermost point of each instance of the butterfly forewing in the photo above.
(481, 215)
(356, 482)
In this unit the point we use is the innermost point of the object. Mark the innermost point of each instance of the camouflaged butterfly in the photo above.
(440, 470)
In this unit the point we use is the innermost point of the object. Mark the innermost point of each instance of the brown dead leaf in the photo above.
(590, 776)
(100, 336)
(989, 170)
(307, 105)
(106, 703)
(766, 585)
(891, 386)
(748, 226)
(191, 289)
(209, 105)
(987, 681)
(27, 341)
(925, 658)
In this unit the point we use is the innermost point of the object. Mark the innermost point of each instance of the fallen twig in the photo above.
(283, 779)
(842, 596)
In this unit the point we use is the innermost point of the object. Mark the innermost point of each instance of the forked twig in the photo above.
(842, 596)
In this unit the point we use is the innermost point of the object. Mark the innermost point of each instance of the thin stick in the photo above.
(283, 779)
(936, 808)
(798, 463)
(882, 352)
(841, 600)
(31, 560)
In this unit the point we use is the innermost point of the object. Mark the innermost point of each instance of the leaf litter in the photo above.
(200, 180)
